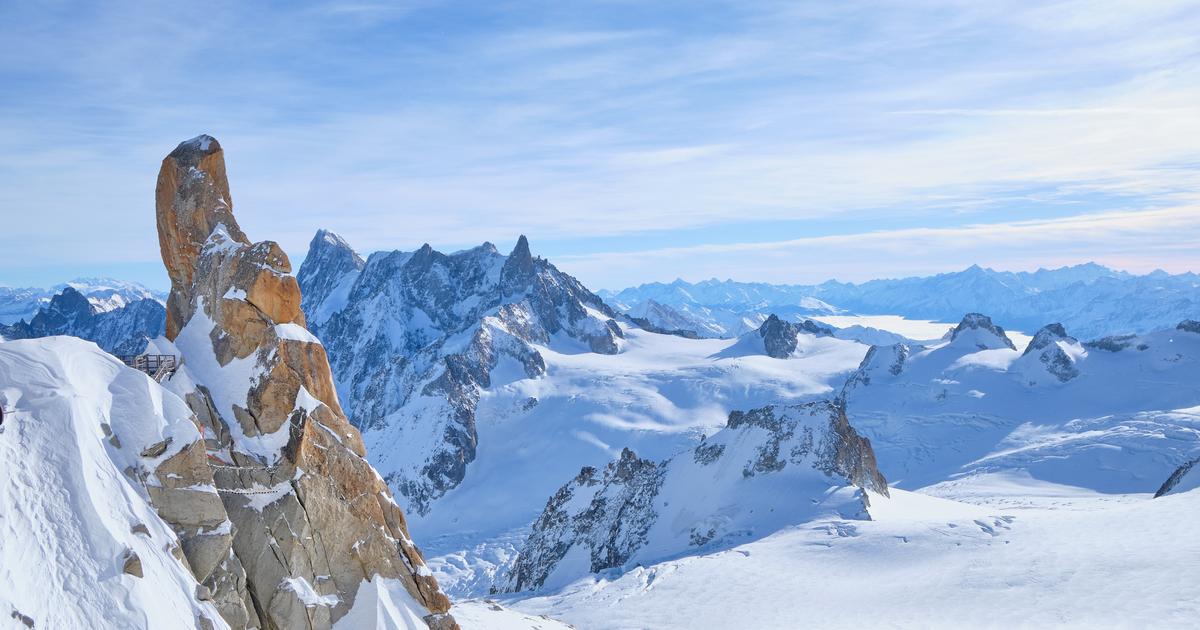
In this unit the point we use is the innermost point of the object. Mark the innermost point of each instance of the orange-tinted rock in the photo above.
(328, 518)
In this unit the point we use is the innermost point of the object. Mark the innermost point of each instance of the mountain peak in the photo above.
(191, 201)
(979, 329)
(201, 145)
(518, 270)
(1047, 335)
(521, 250)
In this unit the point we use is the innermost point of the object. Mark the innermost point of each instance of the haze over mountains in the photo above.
(1089, 299)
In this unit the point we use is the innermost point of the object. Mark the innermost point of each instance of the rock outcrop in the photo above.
(979, 330)
(779, 337)
(311, 519)
(1056, 351)
(1182, 479)
(415, 336)
(768, 468)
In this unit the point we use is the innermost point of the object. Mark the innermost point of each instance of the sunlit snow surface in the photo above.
(1012, 552)
(68, 512)
(918, 329)
(658, 396)
(1031, 494)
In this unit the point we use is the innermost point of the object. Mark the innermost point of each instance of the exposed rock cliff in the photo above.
(312, 522)
(769, 467)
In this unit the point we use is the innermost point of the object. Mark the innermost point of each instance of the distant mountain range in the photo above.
(118, 326)
(105, 294)
(1089, 299)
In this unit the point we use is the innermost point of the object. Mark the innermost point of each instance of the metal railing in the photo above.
(157, 366)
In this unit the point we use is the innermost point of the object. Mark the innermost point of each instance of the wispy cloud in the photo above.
(1112, 238)
(400, 124)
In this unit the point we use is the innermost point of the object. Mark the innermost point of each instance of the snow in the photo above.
(1033, 556)
(657, 397)
(384, 604)
(911, 328)
(295, 332)
(488, 613)
(66, 508)
(229, 384)
(308, 594)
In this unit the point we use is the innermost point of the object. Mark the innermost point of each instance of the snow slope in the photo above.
(725, 490)
(1121, 423)
(657, 397)
(1022, 554)
(69, 514)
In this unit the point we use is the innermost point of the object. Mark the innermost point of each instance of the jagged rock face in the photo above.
(979, 330)
(779, 337)
(311, 519)
(417, 335)
(618, 512)
(767, 468)
(123, 330)
(1050, 346)
(1189, 325)
(1183, 478)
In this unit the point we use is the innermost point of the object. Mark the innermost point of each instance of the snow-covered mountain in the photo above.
(416, 337)
(121, 330)
(529, 406)
(611, 468)
(724, 491)
(1114, 415)
(1037, 463)
(938, 412)
(1089, 299)
(105, 294)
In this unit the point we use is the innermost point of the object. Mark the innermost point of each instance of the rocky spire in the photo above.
(313, 523)
(518, 270)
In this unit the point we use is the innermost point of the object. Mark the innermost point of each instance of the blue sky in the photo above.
(631, 141)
